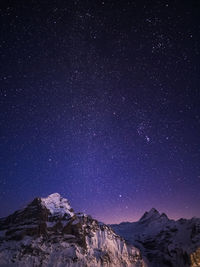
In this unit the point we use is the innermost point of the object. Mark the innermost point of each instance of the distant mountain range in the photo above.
(162, 241)
(47, 232)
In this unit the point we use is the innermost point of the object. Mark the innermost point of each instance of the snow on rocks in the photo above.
(57, 205)
(163, 241)
(59, 237)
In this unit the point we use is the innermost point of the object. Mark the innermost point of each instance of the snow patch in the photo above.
(57, 205)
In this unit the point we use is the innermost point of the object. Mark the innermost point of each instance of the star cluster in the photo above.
(100, 102)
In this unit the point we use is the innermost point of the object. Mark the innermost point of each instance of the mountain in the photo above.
(47, 232)
(162, 241)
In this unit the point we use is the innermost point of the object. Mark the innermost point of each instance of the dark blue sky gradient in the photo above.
(100, 103)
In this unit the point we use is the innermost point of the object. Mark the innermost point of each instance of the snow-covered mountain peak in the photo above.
(152, 214)
(163, 241)
(57, 205)
(153, 211)
(47, 231)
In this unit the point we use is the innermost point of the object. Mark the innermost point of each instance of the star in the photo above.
(100, 103)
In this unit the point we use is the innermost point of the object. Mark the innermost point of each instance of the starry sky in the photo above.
(100, 103)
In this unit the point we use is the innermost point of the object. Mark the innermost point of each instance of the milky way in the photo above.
(100, 103)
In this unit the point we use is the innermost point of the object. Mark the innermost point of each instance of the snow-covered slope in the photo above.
(57, 205)
(164, 242)
(48, 233)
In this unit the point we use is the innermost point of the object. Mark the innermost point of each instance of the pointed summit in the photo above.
(152, 214)
(153, 211)
(57, 205)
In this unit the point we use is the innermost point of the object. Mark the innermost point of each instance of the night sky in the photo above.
(100, 102)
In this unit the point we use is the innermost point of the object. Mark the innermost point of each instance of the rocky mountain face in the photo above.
(49, 233)
(162, 241)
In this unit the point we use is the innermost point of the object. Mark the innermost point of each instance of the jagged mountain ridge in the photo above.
(49, 233)
(162, 241)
